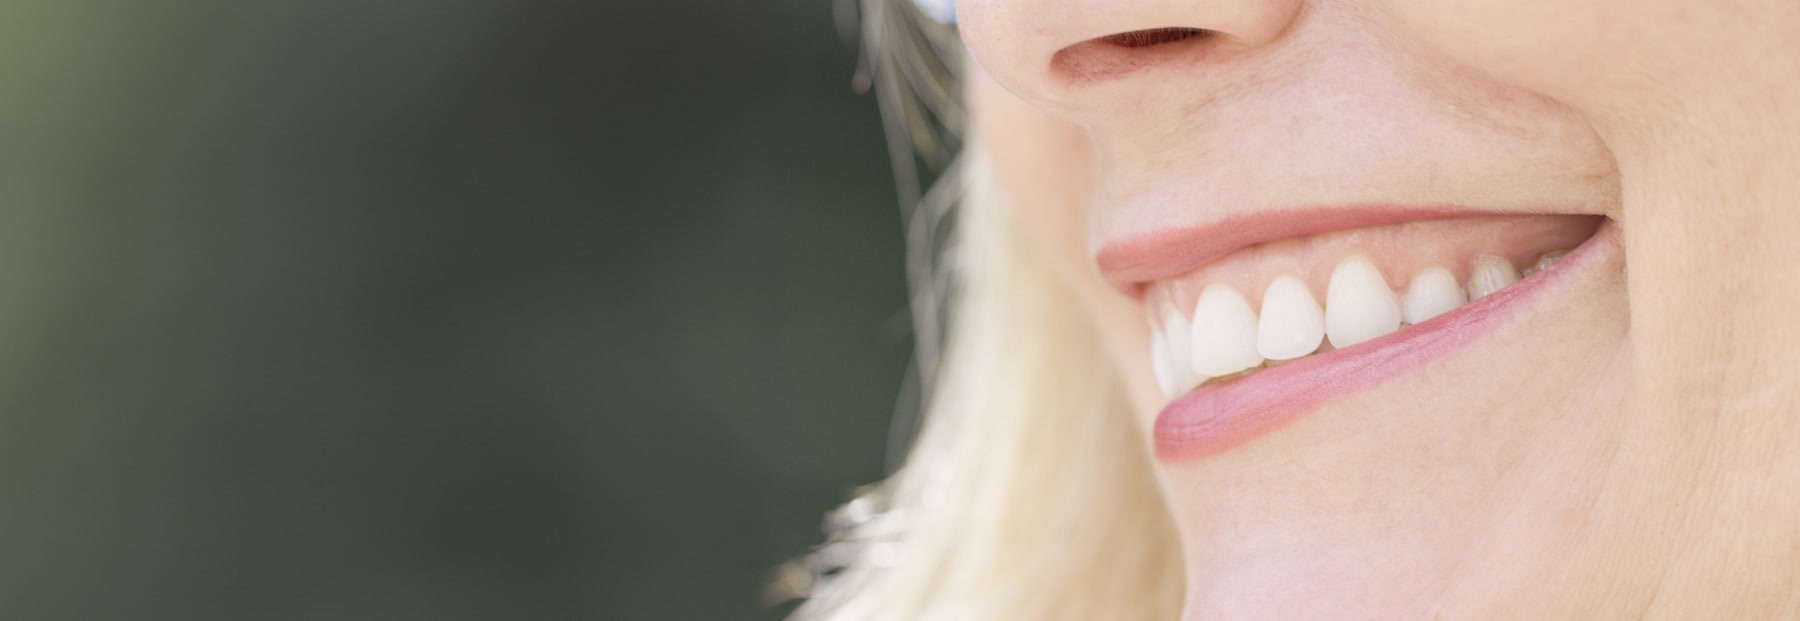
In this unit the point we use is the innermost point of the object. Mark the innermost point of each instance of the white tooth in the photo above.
(1160, 363)
(1224, 332)
(1292, 322)
(1358, 304)
(1178, 336)
(1488, 274)
(1433, 292)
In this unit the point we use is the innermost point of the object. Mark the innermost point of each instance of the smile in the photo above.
(1248, 335)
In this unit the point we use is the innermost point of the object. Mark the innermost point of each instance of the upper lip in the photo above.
(1130, 262)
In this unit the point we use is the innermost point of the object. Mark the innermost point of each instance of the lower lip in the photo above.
(1218, 417)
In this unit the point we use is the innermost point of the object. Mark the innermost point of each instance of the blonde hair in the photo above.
(1028, 493)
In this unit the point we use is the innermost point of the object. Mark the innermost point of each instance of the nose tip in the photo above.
(1069, 55)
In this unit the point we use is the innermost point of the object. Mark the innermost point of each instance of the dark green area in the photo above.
(448, 309)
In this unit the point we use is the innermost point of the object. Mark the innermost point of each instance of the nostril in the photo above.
(1115, 55)
(1151, 37)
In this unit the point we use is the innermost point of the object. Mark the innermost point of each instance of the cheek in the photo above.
(1045, 167)
(1576, 52)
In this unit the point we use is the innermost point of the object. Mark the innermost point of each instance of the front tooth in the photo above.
(1224, 332)
(1433, 292)
(1292, 323)
(1358, 304)
(1488, 274)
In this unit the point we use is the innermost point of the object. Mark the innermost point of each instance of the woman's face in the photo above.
(1428, 307)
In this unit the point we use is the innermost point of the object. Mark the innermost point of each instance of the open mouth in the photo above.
(1248, 337)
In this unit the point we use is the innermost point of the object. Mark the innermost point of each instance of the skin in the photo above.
(1626, 448)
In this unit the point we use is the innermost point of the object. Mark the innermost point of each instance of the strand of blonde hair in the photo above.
(1028, 494)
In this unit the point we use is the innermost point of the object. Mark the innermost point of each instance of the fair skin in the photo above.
(1621, 443)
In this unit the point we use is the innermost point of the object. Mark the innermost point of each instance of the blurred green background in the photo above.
(446, 309)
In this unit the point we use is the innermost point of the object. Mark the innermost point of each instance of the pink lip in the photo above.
(1161, 254)
(1217, 417)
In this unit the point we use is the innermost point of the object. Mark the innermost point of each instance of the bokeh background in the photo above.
(434, 309)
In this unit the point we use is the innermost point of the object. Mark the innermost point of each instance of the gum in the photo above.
(1399, 250)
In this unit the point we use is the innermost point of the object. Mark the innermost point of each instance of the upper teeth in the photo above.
(1489, 274)
(1292, 323)
(1358, 305)
(1433, 292)
(1225, 334)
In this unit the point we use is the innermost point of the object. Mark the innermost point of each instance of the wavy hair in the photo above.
(1027, 491)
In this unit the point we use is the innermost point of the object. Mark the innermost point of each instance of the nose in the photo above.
(1077, 57)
